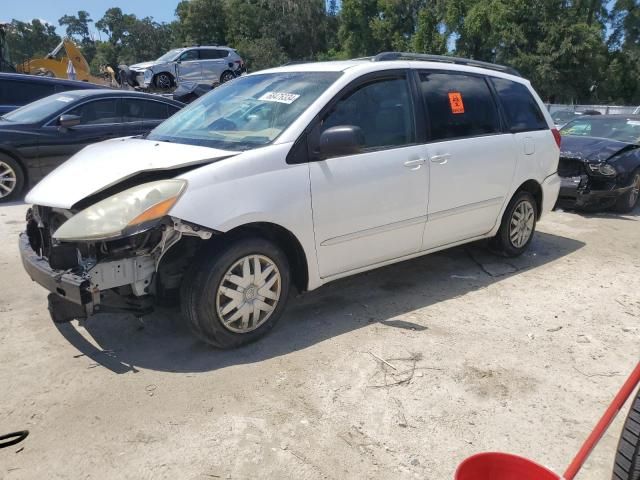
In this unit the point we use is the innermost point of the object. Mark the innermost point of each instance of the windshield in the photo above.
(563, 116)
(617, 128)
(39, 110)
(247, 112)
(170, 55)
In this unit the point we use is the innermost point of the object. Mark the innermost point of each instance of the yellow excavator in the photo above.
(55, 64)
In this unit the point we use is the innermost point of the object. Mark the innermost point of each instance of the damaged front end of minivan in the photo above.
(112, 256)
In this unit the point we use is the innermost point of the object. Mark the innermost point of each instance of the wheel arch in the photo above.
(282, 237)
(535, 189)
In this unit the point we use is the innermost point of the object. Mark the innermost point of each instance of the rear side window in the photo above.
(458, 105)
(213, 54)
(520, 108)
(14, 92)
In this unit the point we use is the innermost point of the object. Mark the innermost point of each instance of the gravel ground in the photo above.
(479, 354)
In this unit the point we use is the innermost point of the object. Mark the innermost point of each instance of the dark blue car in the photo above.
(18, 89)
(38, 137)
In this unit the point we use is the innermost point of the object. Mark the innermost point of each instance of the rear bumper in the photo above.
(74, 288)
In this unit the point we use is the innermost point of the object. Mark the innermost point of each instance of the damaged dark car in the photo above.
(600, 163)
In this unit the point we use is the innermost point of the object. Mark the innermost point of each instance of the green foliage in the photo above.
(571, 50)
(33, 39)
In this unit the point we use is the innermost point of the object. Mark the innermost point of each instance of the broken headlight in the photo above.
(602, 169)
(124, 211)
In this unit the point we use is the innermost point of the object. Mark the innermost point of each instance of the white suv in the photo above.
(294, 176)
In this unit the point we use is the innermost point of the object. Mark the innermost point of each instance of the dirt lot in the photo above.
(483, 354)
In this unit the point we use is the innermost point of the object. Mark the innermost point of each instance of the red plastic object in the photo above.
(557, 137)
(502, 466)
(617, 403)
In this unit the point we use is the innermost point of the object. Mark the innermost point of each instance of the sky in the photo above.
(52, 10)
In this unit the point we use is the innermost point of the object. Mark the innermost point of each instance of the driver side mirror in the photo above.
(340, 141)
(68, 121)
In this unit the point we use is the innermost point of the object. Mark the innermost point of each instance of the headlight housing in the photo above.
(130, 210)
(148, 75)
(602, 169)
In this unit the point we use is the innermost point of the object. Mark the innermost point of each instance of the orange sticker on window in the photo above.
(455, 101)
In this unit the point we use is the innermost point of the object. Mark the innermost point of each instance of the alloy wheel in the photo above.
(8, 179)
(226, 77)
(521, 224)
(248, 293)
(163, 81)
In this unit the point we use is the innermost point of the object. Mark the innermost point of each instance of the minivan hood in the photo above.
(102, 165)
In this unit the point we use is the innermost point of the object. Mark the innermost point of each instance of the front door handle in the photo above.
(414, 164)
(441, 159)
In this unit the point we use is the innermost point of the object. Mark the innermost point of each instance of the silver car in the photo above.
(198, 64)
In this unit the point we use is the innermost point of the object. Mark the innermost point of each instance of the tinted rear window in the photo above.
(520, 108)
(212, 54)
(458, 105)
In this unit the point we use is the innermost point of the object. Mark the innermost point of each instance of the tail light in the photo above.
(556, 136)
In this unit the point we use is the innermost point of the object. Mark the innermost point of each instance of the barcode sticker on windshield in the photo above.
(280, 97)
(64, 99)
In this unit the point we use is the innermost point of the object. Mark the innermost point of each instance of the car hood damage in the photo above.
(592, 149)
(103, 166)
(142, 66)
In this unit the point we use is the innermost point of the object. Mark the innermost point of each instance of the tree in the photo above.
(355, 33)
(31, 40)
(77, 27)
(202, 21)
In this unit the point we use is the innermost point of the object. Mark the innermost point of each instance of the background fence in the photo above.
(604, 109)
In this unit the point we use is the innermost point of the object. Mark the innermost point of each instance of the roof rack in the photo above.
(384, 56)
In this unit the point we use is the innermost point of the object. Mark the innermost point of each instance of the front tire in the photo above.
(627, 202)
(12, 179)
(627, 462)
(237, 293)
(518, 225)
(163, 81)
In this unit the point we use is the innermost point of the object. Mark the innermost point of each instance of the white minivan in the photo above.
(293, 177)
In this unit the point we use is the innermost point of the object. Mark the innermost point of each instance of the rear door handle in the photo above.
(441, 159)
(414, 164)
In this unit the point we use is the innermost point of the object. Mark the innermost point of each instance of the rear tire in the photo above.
(226, 76)
(237, 292)
(627, 202)
(518, 225)
(12, 179)
(627, 461)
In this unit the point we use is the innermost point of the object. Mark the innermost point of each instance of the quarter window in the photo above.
(458, 105)
(98, 112)
(519, 106)
(383, 111)
(213, 54)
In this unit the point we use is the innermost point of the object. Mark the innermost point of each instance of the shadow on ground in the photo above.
(165, 344)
